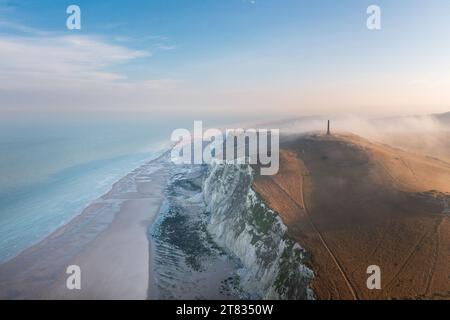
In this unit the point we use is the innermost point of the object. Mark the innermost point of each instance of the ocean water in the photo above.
(50, 170)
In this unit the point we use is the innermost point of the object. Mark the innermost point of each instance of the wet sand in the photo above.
(109, 241)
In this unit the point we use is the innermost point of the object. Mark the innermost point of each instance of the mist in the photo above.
(429, 135)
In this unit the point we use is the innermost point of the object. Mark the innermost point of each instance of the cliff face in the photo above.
(241, 223)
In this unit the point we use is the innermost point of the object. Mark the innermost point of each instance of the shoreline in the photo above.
(108, 240)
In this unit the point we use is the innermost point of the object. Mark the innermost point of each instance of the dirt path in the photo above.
(332, 255)
(435, 256)
(405, 263)
(321, 238)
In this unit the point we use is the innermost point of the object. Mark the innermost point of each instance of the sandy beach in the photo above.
(108, 241)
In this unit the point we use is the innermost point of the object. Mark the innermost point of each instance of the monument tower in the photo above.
(328, 128)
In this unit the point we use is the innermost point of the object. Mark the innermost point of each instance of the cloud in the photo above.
(42, 71)
(166, 47)
(12, 26)
(157, 42)
(28, 61)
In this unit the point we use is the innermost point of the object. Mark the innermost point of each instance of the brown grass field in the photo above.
(352, 203)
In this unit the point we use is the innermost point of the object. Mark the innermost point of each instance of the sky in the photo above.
(224, 58)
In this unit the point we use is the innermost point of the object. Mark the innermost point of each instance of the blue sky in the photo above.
(234, 57)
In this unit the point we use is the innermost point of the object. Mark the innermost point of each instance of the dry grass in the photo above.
(352, 203)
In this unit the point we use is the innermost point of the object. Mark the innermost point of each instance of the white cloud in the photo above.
(47, 71)
(28, 61)
(166, 47)
(8, 25)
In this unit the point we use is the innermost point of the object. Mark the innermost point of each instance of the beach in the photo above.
(108, 241)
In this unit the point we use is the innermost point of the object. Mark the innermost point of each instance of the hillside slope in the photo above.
(352, 203)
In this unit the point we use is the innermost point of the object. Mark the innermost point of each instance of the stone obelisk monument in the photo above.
(328, 128)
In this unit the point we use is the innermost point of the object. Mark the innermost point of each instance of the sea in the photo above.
(52, 168)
